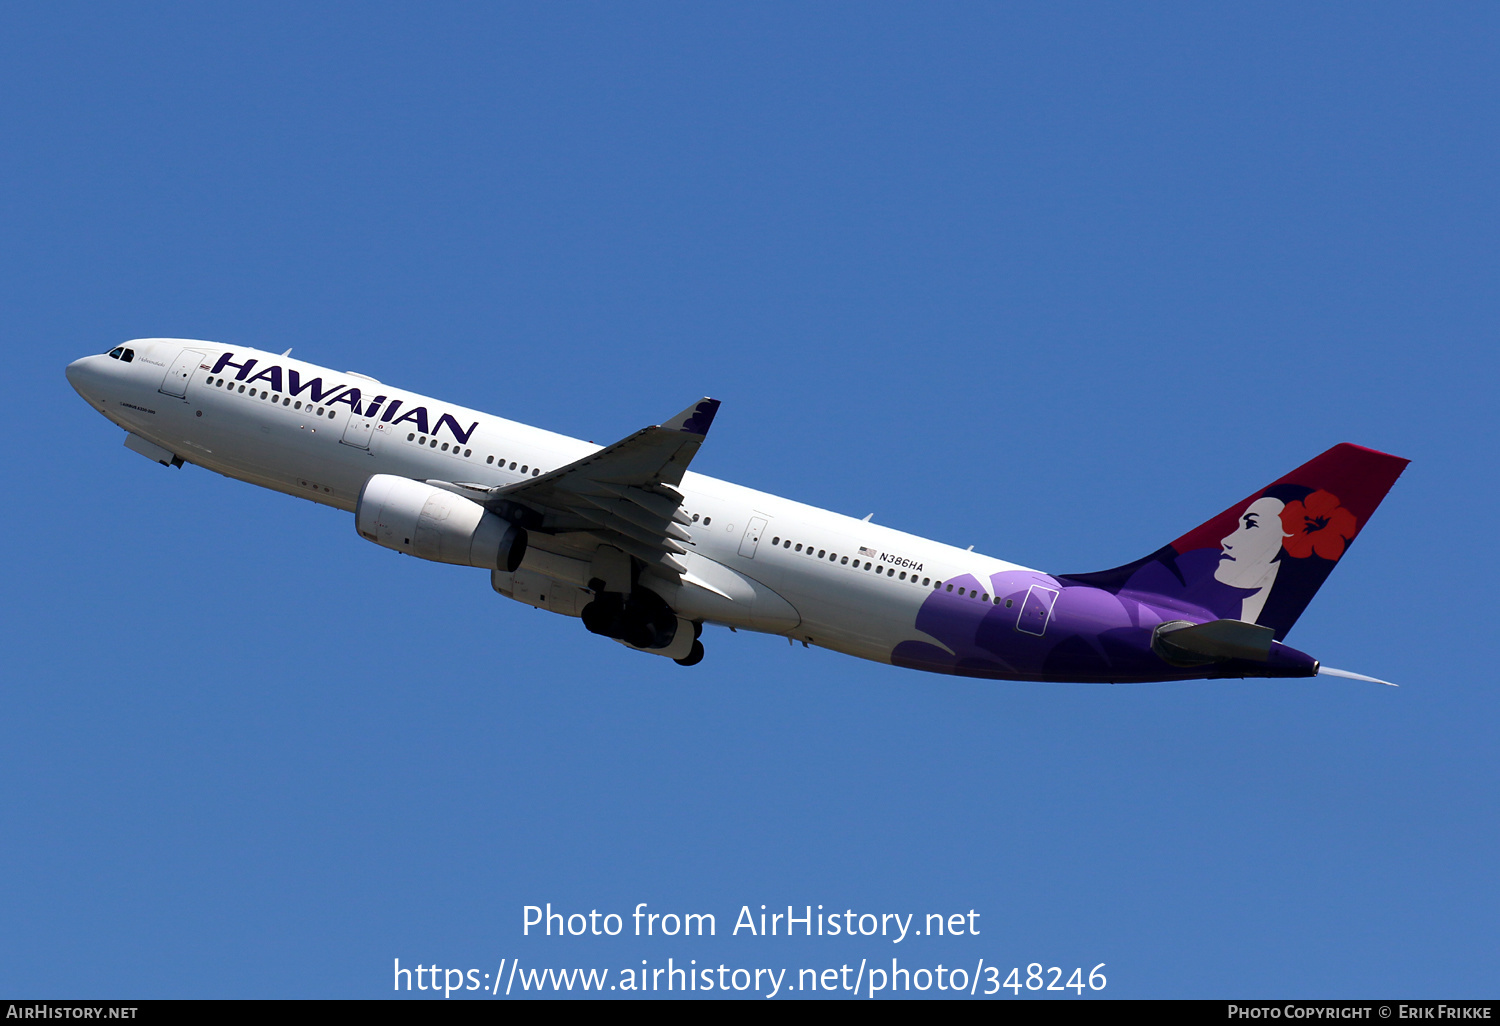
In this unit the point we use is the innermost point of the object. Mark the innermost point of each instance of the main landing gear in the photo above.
(643, 620)
(694, 657)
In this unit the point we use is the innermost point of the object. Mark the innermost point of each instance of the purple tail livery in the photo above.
(1216, 602)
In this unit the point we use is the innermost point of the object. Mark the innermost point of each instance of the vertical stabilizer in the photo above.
(1264, 558)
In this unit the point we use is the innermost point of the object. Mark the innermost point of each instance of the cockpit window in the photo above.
(114, 354)
(129, 355)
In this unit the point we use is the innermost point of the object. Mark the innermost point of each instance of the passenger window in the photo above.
(512, 464)
(925, 581)
(821, 553)
(242, 388)
(844, 560)
(410, 435)
(298, 406)
(286, 402)
(787, 544)
(902, 576)
(707, 521)
(468, 453)
(950, 588)
(799, 547)
(523, 469)
(1008, 603)
(867, 566)
(490, 459)
(432, 443)
(997, 600)
(695, 518)
(536, 471)
(445, 446)
(775, 542)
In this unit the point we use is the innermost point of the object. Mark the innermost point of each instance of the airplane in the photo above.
(646, 552)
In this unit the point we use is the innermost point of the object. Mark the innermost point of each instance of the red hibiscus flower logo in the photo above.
(1317, 524)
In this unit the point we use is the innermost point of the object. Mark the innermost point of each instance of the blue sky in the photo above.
(1059, 282)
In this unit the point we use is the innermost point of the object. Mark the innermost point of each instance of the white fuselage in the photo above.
(828, 587)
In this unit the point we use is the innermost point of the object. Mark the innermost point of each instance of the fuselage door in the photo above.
(752, 537)
(176, 381)
(1036, 610)
(358, 430)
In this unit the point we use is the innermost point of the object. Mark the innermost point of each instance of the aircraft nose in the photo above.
(83, 374)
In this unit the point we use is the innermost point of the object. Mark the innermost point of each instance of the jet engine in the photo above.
(431, 523)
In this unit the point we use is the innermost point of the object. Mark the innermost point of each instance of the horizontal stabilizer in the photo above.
(1192, 644)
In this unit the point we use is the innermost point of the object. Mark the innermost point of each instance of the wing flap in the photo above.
(623, 495)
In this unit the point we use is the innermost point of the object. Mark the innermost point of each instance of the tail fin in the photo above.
(1264, 558)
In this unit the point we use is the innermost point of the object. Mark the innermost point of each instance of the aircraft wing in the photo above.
(624, 495)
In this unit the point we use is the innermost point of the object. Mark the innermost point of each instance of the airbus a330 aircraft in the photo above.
(644, 551)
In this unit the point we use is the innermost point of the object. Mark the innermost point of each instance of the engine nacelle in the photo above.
(431, 523)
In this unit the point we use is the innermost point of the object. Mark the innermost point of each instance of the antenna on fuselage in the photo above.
(286, 354)
(866, 518)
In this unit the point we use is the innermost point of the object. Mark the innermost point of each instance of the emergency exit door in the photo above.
(358, 430)
(176, 381)
(752, 537)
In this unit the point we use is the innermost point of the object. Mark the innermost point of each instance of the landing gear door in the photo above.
(752, 537)
(176, 380)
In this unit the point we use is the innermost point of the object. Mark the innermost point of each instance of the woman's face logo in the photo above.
(1248, 560)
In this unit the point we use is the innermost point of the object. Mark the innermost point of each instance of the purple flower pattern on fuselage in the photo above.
(1092, 635)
